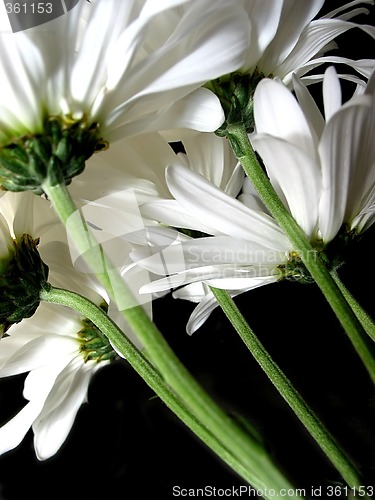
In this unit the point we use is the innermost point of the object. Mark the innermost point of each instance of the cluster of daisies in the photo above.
(127, 80)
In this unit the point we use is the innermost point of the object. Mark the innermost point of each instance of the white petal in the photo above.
(228, 215)
(264, 17)
(212, 251)
(201, 313)
(297, 176)
(194, 292)
(295, 16)
(125, 163)
(346, 6)
(218, 33)
(37, 385)
(212, 157)
(331, 93)
(151, 8)
(276, 112)
(313, 38)
(171, 213)
(105, 25)
(21, 71)
(364, 67)
(309, 107)
(13, 432)
(55, 421)
(341, 153)
(203, 310)
(201, 110)
(245, 284)
(35, 354)
(223, 276)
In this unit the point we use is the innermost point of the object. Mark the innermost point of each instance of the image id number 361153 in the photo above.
(29, 8)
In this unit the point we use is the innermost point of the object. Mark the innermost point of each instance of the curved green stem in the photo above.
(365, 319)
(243, 447)
(135, 358)
(286, 389)
(244, 152)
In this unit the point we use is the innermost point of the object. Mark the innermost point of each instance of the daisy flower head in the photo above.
(23, 273)
(106, 70)
(287, 38)
(323, 167)
(57, 348)
(60, 351)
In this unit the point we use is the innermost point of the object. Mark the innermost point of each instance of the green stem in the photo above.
(241, 146)
(244, 448)
(135, 358)
(365, 319)
(288, 392)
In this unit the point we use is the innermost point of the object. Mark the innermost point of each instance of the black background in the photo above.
(125, 443)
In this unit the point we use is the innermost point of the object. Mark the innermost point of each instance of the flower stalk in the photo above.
(243, 449)
(364, 318)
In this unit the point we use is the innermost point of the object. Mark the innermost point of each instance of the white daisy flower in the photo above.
(22, 272)
(56, 347)
(106, 70)
(323, 170)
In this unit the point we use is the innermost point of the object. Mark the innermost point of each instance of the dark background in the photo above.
(126, 443)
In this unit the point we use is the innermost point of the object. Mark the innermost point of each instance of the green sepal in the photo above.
(236, 92)
(57, 155)
(94, 345)
(295, 270)
(20, 284)
(339, 250)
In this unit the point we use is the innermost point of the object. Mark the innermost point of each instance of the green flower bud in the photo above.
(21, 280)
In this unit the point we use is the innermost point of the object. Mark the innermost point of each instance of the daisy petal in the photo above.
(277, 112)
(34, 354)
(295, 174)
(314, 38)
(13, 432)
(294, 17)
(230, 216)
(331, 93)
(201, 313)
(200, 110)
(264, 16)
(339, 158)
(55, 421)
